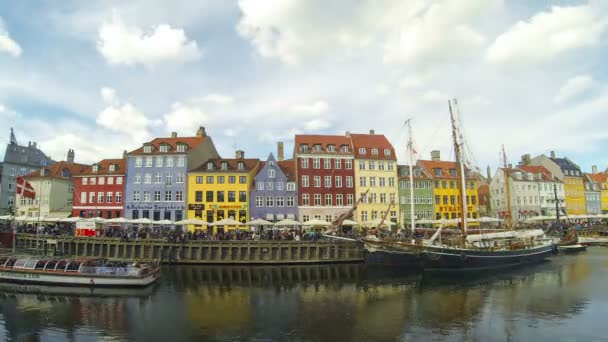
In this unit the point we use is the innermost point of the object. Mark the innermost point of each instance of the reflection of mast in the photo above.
(507, 187)
(410, 148)
(457, 137)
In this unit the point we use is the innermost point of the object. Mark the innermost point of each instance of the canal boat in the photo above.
(571, 248)
(78, 272)
(481, 252)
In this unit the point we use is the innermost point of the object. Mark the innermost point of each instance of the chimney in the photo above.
(594, 169)
(552, 154)
(173, 134)
(34, 144)
(70, 158)
(240, 154)
(347, 134)
(488, 173)
(280, 154)
(510, 166)
(372, 132)
(124, 154)
(525, 159)
(201, 132)
(435, 155)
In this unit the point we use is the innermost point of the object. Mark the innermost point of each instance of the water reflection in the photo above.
(319, 303)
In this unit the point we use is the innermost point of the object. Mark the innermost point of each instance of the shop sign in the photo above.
(196, 207)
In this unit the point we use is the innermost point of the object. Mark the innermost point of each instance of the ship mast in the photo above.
(410, 148)
(507, 187)
(457, 137)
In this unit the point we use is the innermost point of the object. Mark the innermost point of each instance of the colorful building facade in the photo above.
(274, 195)
(219, 189)
(99, 190)
(593, 195)
(375, 173)
(156, 186)
(423, 195)
(325, 176)
(446, 188)
(602, 180)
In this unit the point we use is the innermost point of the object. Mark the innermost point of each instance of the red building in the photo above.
(325, 176)
(99, 190)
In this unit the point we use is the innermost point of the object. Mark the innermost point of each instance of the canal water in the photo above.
(565, 299)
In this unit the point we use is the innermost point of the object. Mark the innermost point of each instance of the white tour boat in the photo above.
(78, 272)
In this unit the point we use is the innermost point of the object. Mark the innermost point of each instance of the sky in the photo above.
(105, 76)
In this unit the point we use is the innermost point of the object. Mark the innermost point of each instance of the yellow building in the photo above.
(446, 189)
(602, 180)
(219, 189)
(376, 171)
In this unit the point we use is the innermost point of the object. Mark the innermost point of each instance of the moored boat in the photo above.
(78, 272)
(571, 248)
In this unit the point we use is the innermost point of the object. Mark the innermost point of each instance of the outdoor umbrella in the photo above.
(227, 222)
(487, 219)
(197, 222)
(117, 220)
(349, 223)
(50, 219)
(21, 218)
(376, 223)
(6, 218)
(96, 220)
(163, 222)
(317, 222)
(259, 222)
(287, 222)
(140, 221)
(72, 219)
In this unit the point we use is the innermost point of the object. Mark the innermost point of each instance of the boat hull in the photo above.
(438, 259)
(393, 254)
(22, 276)
(572, 248)
(592, 241)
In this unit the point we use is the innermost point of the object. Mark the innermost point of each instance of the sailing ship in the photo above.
(481, 251)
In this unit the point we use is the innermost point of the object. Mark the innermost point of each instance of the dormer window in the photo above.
(362, 150)
(453, 172)
(271, 173)
(224, 165)
(438, 172)
(164, 148)
(112, 168)
(181, 147)
(303, 148)
(331, 148)
(148, 149)
(240, 166)
(344, 148)
(387, 152)
(374, 151)
(316, 147)
(65, 173)
(209, 166)
(95, 168)
(417, 173)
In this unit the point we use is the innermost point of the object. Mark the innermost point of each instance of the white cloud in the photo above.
(182, 118)
(219, 99)
(574, 87)
(7, 113)
(8, 44)
(435, 96)
(129, 45)
(549, 34)
(316, 108)
(317, 124)
(123, 118)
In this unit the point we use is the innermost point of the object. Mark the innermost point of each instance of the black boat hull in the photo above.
(393, 259)
(437, 259)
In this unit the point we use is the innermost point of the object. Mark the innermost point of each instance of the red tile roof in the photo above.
(369, 142)
(324, 140)
(250, 164)
(445, 166)
(56, 170)
(289, 169)
(598, 177)
(546, 174)
(192, 142)
(104, 167)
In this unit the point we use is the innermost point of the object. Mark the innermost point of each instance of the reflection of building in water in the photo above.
(219, 310)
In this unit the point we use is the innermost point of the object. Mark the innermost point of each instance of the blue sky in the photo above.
(105, 76)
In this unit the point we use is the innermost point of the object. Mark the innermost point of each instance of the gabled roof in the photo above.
(104, 167)
(289, 169)
(191, 142)
(324, 141)
(598, 177)
(566, 164)
(369, 142)
(424, 174)
(248, 163)
(546, 174)
(56, 171)
(445, 166)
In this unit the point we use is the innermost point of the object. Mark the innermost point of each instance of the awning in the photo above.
(291, 216)
(282, 217)
(270, 217)
(59, 215)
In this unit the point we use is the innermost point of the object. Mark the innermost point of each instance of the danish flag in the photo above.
(25, 189)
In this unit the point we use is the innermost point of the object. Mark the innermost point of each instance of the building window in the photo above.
(119, 180)
(181, 161)
(109, 197)
(209, 196)
(259, 201)
(148, 161)
(269, 201)
(271, 173)
(374, 151)
(269, 185)
(380, 165)
(231, 179)
(118, 198)
(387, 152)
(280, 186)
(316, 163)
(164, 148)
(362, 181)
(85, 181)
(179, 178)
(156, 196)
(349, 181)
(138, 161)
(231, 196)
(372, 165)
(93, 181)
(101, 181)
(317, 199)
(100, 197)
(317, 181)
(181, 148)
(91, 197)
(198, 196)
(242, 196)
(179, 196)
(372, 181)
(242, 179)
(210, 180)
(291, 186)
(220, 196)
(350, 199)
(362, 150)
(364, 215)
(221, 179)
(361, 164)
(337, 164)
(136, 196)
(382, 198)
(110, 180)
(169, 162)
(95, 168)
(290, 201)
(348, 164)
(305, 199)
(224, 166)
(338, 181)
(328, 181)
(304, 163)
(158, 178)
(327, 163)
(147, 149)
(240, 166)
(83, 198)
(328, 200)
(261, 185)
(339, 199)
(331, 148)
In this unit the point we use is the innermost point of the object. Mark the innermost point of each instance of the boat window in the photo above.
(20, 263)
(61, 265)
(3, 261)
(73, 266)
(10, 262)
(50, 265)
(40, 264)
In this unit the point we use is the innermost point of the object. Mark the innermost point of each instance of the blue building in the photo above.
(156, 185)
(274, 196)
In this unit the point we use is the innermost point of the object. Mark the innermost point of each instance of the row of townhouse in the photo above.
(545, 184)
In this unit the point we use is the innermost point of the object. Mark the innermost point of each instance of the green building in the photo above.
(423, 195)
